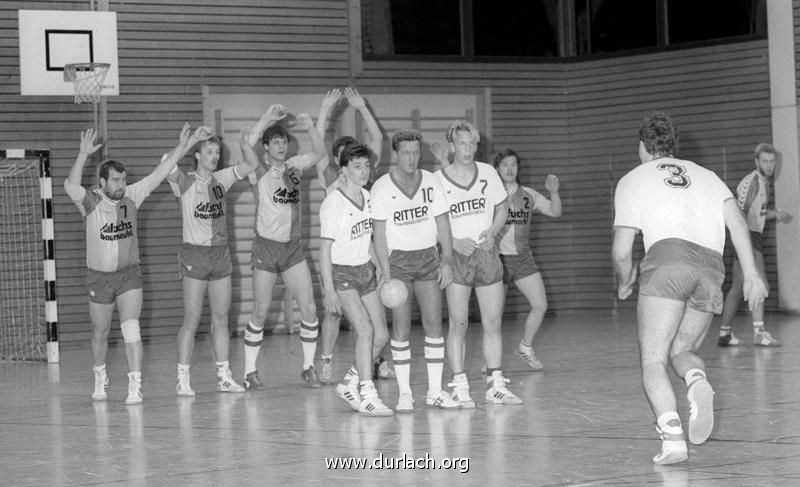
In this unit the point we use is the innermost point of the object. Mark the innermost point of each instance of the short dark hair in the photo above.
(406, 135)
(353, 151)
(107, 165)
(340, 142)
(659, 135)
(507, 153)
(274, 131)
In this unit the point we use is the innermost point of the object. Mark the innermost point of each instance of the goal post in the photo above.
(28, 306)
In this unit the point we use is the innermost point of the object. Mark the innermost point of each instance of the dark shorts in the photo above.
(415, 265)
(482, 268)
(756, 241)
(204, 263)
(104, 287)
(360, 278)
(516, 267)
(276, 257)
(683, 271)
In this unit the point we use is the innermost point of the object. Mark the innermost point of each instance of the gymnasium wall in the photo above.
(577, 120)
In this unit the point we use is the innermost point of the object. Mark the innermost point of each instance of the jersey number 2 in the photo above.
(678, 178)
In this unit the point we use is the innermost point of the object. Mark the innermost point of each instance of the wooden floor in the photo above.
(585, 420)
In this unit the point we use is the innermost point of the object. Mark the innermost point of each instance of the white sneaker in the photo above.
(701, 410)
(461, 393)
(100, 386)
(764, 339)
(349, 392)
(673, 447)
(529, 357)
(184, 387)
(372, 405)
(326, 370)
(225, 382)
(498, 393)
(441, 400)
(405, 403)
(134, 392)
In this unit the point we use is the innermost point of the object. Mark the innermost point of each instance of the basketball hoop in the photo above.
(88, 80)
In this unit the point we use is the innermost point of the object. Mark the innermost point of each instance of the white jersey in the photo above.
(672, 198)
(472, 206)
(410, 218)
(348, 225)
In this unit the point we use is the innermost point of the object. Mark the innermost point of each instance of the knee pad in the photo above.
(130, 331)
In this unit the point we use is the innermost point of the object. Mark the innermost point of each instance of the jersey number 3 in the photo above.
(678, 178)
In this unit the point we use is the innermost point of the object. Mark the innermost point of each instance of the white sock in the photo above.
(253, 337)
(693, 375)
(401, 356)
(434, 361)
(184, 368)
(308, 339)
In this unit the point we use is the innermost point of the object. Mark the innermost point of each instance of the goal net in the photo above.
(24, 289)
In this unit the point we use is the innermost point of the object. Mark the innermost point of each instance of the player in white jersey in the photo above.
(278, 247)
(349, 277)
(753, 197)
(476, 197)
(330, 178)
(519, 266)
(411, 215)
(112, 251)
(205, 259)
(682, 210)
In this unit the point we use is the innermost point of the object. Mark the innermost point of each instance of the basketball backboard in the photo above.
(49, 39)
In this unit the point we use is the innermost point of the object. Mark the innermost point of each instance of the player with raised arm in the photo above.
(515, 249)
(682, 210)
(753, 197)
(205, 259)
(278, 247)
(348, 275)
(410, 215)
(330, 178)
(476, 196)
(112, 251)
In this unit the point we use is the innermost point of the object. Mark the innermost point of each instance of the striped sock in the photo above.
(434, 360)
(308, 339)
(401, 356)
(253, 337)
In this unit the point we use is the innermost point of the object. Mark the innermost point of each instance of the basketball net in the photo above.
(88, 80)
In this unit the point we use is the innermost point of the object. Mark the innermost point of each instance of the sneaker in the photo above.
(728, 340)
(461, 393)
(252, 382)
(184, 387)
(349, 392)
(326, 370)
(441, 400)
(701, 410)
(134, 392)
(382, 370)
(310, 376)
(673, 448)
(372, 405)
(225, 382)
(498, 393)
(405, 403)
(764, 339)
(100, 386)
(529, 357)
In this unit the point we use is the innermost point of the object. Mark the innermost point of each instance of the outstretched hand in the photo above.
(551, 183)
(186, 132)
(201, 134)
(276, 112)
(440, 152)
(305, 122)
(88, 139)
(354, 99)
(331, 98)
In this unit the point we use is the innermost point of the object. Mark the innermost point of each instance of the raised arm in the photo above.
(375, 142)
(271, 115)
(328, 102)
(249, 162)
(185, 143)
(755, 290)
(87, 148)
(552, 184)
(317, 145)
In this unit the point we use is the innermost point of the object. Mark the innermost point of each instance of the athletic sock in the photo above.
(401, 356)
(308, 339)
(725, 331)
(253, 337)
(184, 368)
(434, 361)
(758, 326)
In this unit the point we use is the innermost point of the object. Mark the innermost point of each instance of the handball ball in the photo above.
(393, 293)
